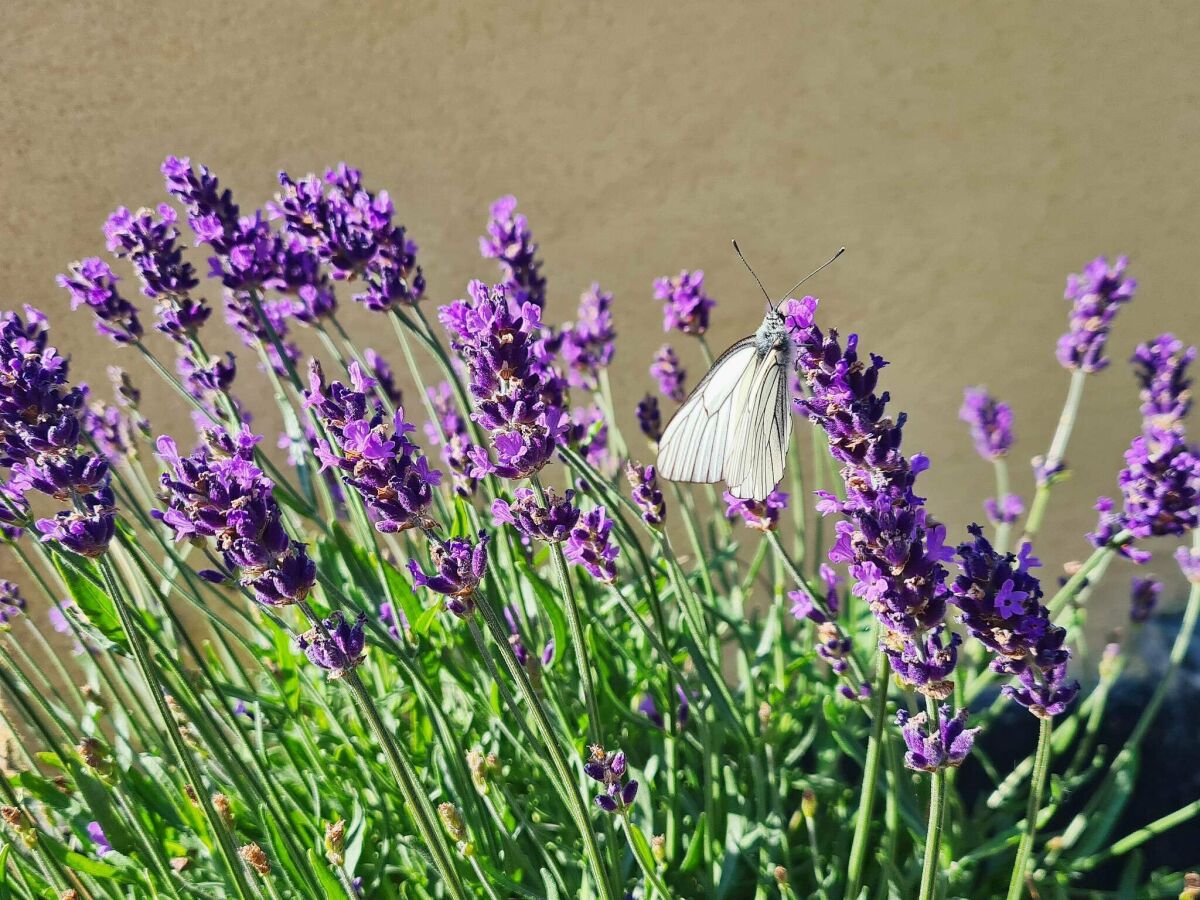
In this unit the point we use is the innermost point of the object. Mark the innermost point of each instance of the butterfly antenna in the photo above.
(811, 274)
(738, 250)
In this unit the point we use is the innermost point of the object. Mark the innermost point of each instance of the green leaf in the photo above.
(426, 619)
(695, 850)
(98, 608)
(120, 867)
(329, 884)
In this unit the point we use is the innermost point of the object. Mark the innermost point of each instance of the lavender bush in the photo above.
(467, 642)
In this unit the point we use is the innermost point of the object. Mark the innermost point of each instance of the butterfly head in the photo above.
(772, 333)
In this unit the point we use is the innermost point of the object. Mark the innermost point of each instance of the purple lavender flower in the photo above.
(450, 432)
(149, 239)
(1143, 597)
(943, 748)
(336, 646)
(111, 430)
(1161, 369)
(990, 420)
(531, 663)
(805, 605)
(1004, 510)
(12, 603)
(588, 433)
(1000, 601)
(1189, 563)
(609, 769)
(93, 284)
(1095, 296)
(217, 492)
(207, 382)
(96, 833)
(393, 619)
(926, 666)
(761, 515)
(669, 373)
(386, 469)
(459, 566)
(385, 379)
(589, 546)
(649, 418)
(643, 480)
(648, 708)
(685, 305)
(552, 523)
(588, 343)
(353, 231)
(509, 240)
(516, 399)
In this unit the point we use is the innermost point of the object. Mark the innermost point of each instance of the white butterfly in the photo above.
(736, 424)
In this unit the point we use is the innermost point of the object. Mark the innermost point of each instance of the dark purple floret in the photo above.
(648, 708)
(517, 397)
(337, 646)
(451, 433)
(610, 769)
(669, 374)
(552, 523)
(510, 242)
(643, 480)
(1095, 294)
(588, 343)
(12, 603)
(761, 515)
(926, 666)
(588, 433)
(588, 545)
(93, 284)
(1000, 601)
(387, 469)
(649, 418)
(458, 567)
(805, 606)
(385, 379)
(990, 420)
(1004, 510)
(87, 531)
(1161, 369)
(685, 305)
(944, 747)
(1143, 597)
(532, 663)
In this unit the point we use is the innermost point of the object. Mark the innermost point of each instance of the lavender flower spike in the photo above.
(685, 305)
(990, 420)
(589, 546)
(669, 374)
(1143, 597)
(609, 769)
(649, 418)
(942, 748)
(1095, 294)
(761, 515)
(646, 494)
(336, 646)
(588, 344)
(459, 566)
(93, 284)
(553, 522)
(509, 241)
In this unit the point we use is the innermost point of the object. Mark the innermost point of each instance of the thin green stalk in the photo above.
(644, 860)
(409, 787)
(1003, 527)
(566, 784)
(225, 846)
(866, 798)
(1037, 784)
(571, 605)
(1054, 457)
(933, 835)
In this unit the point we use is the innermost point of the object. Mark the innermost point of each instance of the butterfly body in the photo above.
(736, 424)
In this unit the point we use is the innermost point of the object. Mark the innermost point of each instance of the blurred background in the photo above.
(969, 156)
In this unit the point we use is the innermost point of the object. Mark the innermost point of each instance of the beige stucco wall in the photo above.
(968, 154)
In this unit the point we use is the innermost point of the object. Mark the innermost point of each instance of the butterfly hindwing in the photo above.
(762, 429)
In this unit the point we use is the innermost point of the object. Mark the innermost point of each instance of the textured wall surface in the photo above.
(969, 156)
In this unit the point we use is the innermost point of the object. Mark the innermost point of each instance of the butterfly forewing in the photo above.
(694, 447)
(762, 428)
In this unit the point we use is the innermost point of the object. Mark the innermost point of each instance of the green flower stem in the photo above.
(410, 788)
(933, 835)
(1076, 582)
(557, 763)
(571, 603)
(639, 847)
(225, 846)
(1000, 464)
(866, 799)
(1135, 839)
(1037, 785)
(1058, 447)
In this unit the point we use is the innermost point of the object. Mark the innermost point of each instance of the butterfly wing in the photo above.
(762, 429)
(695, 445)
